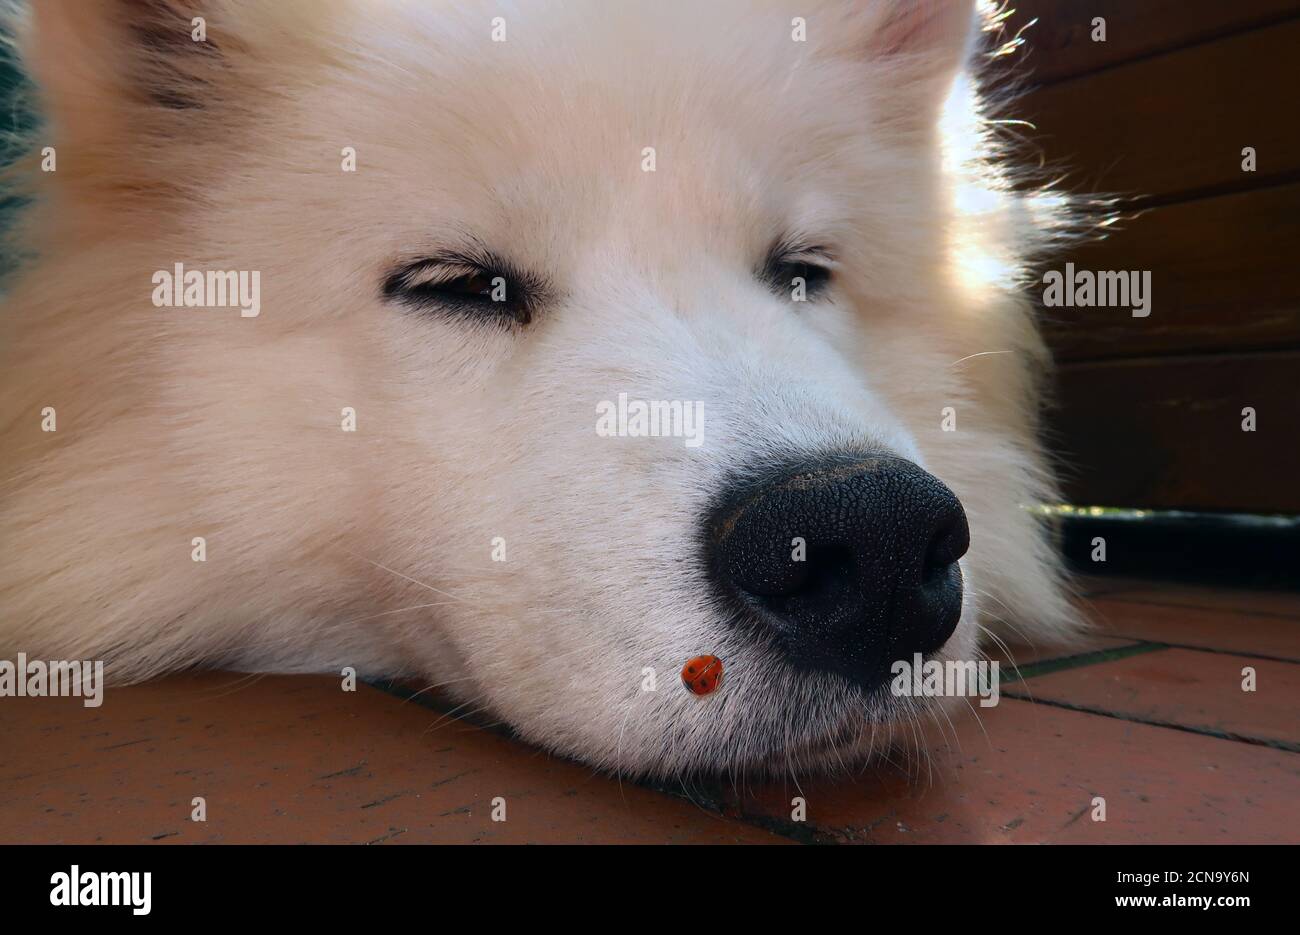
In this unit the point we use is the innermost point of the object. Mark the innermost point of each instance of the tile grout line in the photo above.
(1283, 745)
(1243, 653)
(1079, 660)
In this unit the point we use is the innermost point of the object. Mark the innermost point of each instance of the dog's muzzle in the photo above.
(847, 565)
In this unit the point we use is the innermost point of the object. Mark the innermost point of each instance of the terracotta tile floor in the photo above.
(1151, 718)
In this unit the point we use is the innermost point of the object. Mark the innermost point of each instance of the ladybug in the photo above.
(702, 674)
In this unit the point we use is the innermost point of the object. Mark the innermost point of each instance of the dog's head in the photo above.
(591, 338)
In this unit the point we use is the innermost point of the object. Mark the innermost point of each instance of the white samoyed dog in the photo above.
(529, 350)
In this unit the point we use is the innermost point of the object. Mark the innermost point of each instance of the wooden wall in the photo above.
(1158, 115)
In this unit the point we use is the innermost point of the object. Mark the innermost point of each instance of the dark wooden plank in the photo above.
(1060, 44)
(1165, 433)
(1164, 127)
(1223, 277)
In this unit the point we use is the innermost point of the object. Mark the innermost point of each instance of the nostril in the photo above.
(817, 584)
(829, 566)
(947, 545)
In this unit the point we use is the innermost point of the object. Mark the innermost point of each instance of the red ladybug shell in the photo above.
(702, 674)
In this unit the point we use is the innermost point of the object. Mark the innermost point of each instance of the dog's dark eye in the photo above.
(797, 271)
(479, 288)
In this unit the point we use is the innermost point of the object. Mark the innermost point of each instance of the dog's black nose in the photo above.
(850, 565)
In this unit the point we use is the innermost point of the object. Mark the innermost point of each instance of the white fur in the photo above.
(176, 423)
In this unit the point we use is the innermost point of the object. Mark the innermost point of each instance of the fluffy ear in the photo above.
(935, 33)
(140, 96)
(918, 46)
(105, 68)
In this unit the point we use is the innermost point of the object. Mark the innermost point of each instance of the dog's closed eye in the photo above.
(477, 286)
(798, 270)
